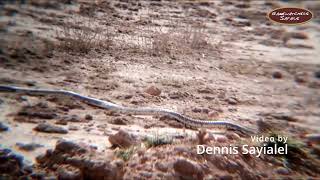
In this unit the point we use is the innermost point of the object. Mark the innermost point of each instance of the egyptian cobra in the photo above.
(128, 110)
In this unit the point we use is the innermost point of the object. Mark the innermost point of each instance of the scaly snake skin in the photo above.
(128, 110)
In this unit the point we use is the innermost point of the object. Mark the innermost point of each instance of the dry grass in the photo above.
(126, 154)
(81, 35)
(158, 140)
(175, 39)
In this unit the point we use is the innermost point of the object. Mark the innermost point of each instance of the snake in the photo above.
(130, 110)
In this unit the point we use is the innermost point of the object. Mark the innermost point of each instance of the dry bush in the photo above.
(195, 36)
(83, 37)
(173, 39)
(162, 43)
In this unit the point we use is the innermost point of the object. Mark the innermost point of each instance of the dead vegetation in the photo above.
(127, 153)
(158, 140)
(82, 35)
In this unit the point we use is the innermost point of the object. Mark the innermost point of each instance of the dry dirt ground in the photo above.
(219, 60)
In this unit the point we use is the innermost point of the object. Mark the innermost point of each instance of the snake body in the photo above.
(128, 110)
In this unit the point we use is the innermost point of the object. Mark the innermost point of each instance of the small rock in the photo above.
(88, 117)
(119, 121)
(175, 95)
(188, 169)
(122, 139)
(232, 101)
(316, 151)
(313, 138)
(119, 163)
(277, 75)
(232, 166)
(208, 97)
(154, 91)
(68, 146)
(48, 128)
(247, 174)
(282, 171)
(62, 122)
(205, 90)
(317, 74)
(315, 84)
(264, 126)
(232, 136)
(28, 146)
(200, 110)
(66, 172)
(161, 166)
(196, 110)
(30, 83)
(50, 178)
(301, 77)
(298, 35)
(10, 163)
(221, 139)
(72, 118)
(73, 128)
(28, 169)
(213, 114)
(226, 177)
(3, 127)
(146, 174)
(38, 175)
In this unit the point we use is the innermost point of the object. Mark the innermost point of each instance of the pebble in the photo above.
(221, 139)
(28, 146)
(62, 122)
(68, 146)
(3, 127)
(72, 118)
(187, 168)
(233, 136)
(73, 128)
(313, 138)
(119, 121)
(88, 117)
(48, 128)
(69, 173)
(161, 166)
(152, 90)
(301, 77)
(205, 90)
(317, 74)
(282, 171)
(277, 75)
(38, 175)
(122, 139)
(232, 101)
(146, 174)
(226, 177)
(213, 114)
(118, 163)
(232, 166)
(10, 162)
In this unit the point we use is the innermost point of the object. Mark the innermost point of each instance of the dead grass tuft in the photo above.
(126, 154)
(158, 140)
(82, 35)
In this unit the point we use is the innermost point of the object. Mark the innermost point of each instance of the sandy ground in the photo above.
(222, 60)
